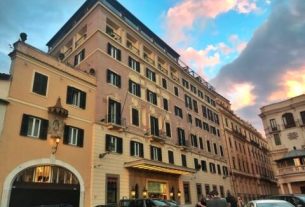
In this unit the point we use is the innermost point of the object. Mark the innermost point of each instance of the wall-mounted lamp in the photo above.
(55, 147)
(179, 194)
(144, 193)
(171, 194)
(133, 193)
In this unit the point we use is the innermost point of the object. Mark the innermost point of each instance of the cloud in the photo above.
(241, 95)
(276, 47)
(183, 16)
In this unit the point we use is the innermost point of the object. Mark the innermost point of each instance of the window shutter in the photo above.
(200, 143)
(147, 95)
(141, 150)
(108, 142)
(132, 148)
(83, 100)
(75, 60)
(24, 125)
(135, 117)
(139, 90)
(118, 114)
(119, 81)
(119, 54)
(129, 61)
(43, 134)
(80, 141)
(151, 152)
(69, 95)
(109, 46)
(82, 54)
(120, 145)
(138, 66)
(66, 135)
(159, 155)
(108, 74)
(154, 77)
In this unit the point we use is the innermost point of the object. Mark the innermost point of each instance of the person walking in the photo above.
(216, 201)
(202, 202)
(240, 202)
(231, 200)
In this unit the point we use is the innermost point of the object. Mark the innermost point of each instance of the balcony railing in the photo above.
(133, 48)
(292, 170)
(162, 69)
(238, 134)
(114, 35)
(80, 40)
(113, 122)
(68, 51)
(274, 129)
(157, 137)
(148, 59)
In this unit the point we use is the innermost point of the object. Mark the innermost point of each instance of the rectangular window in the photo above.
(178, 112)
(193, 89)
(195, 105)
(277, 139)
(221, 150)
(302, 114)
(40, 84)
(222, 191)
(204, 111)
(196, 164)
(200, 94)
(136, 149)
(150, 75)
(212, 168)
(114, 144)
(205, 126)
(204, 166)
(207, 189)
(76, 97)
(134, 88)
(114, 52)
(194, 140)
(225, 170)
(112, 190)
(189, 118)
(113, 78)
(165, 104)
(183, 160)
(215, 149)
(187, 195)
(151, 97)
(218, 169)
(273, 125)
(198, 191)
(135, 117)
(181, 137)
(188, 101)
(164, 83)
(176, 91)
(171, 157)
(168, 129)
(32, 126)
(198, 123)
(156, 153)
(208, 145)
(185, 83)
(154, 126)
(73, 136)
(114, 112)
(133, 64)
(200, 143)
(79, 57)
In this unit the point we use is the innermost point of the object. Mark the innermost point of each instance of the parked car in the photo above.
(124, 203)
(298, 200)
(171, 203)
(148, 203)
(269, 203)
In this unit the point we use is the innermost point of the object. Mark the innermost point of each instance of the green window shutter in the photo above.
(132, 148)
(24, 125)
(43, 134)
(66, 135)
(120, 145)
(69, 95)
(83, 100)
(80, 141)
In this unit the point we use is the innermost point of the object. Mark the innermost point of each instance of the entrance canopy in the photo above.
(293, 154)
(151, 165)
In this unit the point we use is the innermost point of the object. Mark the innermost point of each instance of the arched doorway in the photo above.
(45, 185)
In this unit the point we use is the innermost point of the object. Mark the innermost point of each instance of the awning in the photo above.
(151, 165)
(293, 154)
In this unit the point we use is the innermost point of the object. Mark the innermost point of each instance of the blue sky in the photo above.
(252, 51)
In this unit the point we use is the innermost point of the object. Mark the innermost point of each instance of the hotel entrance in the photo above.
(157, 189)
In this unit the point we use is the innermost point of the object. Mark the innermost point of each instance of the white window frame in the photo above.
(155, 153)
(34, 129)
(73, 136)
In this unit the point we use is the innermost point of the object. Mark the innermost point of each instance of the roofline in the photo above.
(124, 12)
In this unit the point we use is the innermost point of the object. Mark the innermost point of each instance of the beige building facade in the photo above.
(250, 166)
(284, 127)
(156, 131)
(46, 139)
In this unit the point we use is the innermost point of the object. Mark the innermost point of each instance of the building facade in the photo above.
(46, 139)
(156, 131)
(4, 85)
(284, 127)
(248, 157)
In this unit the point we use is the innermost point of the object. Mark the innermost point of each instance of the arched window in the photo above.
(288, 120)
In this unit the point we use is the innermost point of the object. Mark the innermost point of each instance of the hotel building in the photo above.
(284, 127)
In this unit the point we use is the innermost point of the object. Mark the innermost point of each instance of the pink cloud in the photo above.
(182, 17)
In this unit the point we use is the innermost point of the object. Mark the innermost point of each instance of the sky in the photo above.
(251, 51)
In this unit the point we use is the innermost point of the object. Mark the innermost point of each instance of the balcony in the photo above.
(163, 69)
(238, 134)
(80, 40)
(67, 52)
(112, 122)
(274, 129)
(292, 170)
(113, 35)
(156, 137)
(148, 59)
(132, 48)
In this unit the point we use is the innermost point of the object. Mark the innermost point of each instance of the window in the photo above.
(194, 140)
(199, 191)
(79, 57)
(178, 112)
(207, 189)
(200, 94)
(154, 126)
(187, 195)
(195, 106)
(165, 104)
(150, 75)
(208, 145)
(151, 97)
(193, 89)
(204, 111)
(32, 126)
(302, 113)
(136, 149)
(188, 101)
(215, 149)
(114, 52)
(288, 120)
(40, 84)
(205, 126)
(183, 160)
(273, 125)
(112, 189)
(76, 97)
(196, 164)
(218, 169)
(133, 64)
(198, 123)
(135, 117)
(113, 78)
(171, 157)
(134, 88)
(168, 130)
(181, 137)
(164, 83)
(222, 191)
(200, 143)
(114, 144)
(204, 165)
(73, 136)
(277, 139)
(156, 153)
(221, 150)
(185, 83)
(212, 168)
(114, 112)
(189, 118)
(176, 91)
(225, 170)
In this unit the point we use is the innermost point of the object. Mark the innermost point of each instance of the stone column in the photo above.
(289, 188)
(282, 188)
